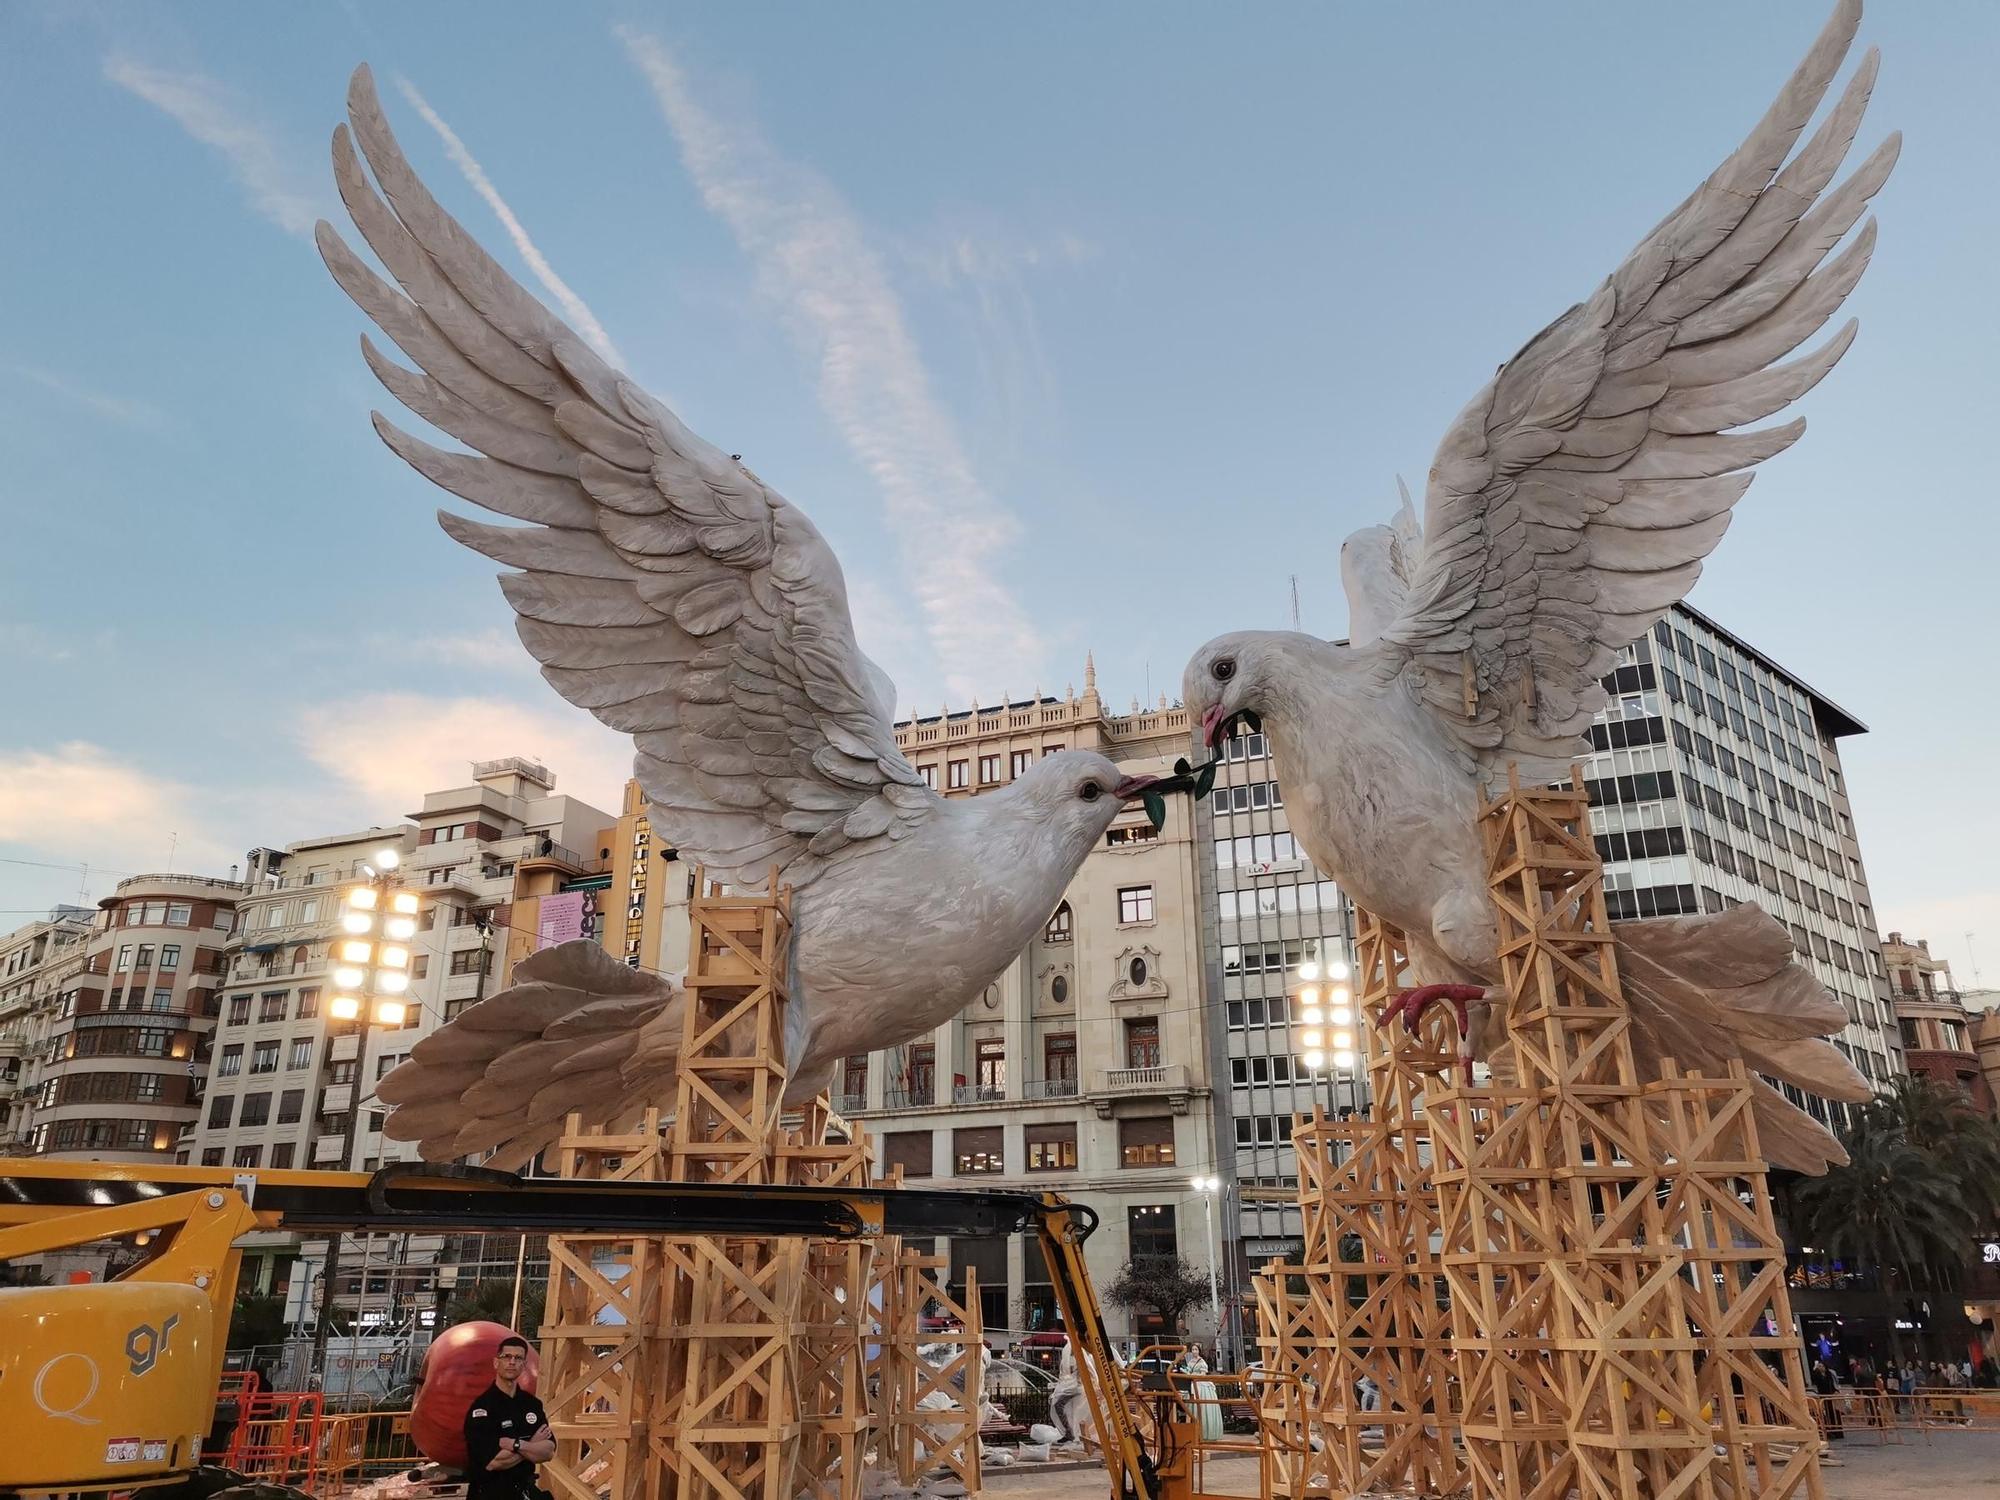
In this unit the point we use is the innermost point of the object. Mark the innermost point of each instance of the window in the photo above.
(1061, 926)
(211, 1156)
(920, 1073)
(239, 1010)
(248, 1156)
(441, 875)
(264, 1058)
(231, 1061)
(958, 775)
(1052, 1148)
(220, 1110)
(386, 1062)
(978, 1152)
(989, 1067)
(989, 769)
(145, 958)
(271, 1007)
(281, 1155)
(308, 1004)
(472, 961)
(1146, 1143)
(1135, 903)
(291, 1106)
(1150, 1230)
(302, 1054)
(1142, 1043)
(256, 1110)
(908, 1149)
(1909, 1030)
(180, 914)
(929, 773)
(1019, 762)
(1059, 1062)
(1136, 973)
(124, 957)
(854, 1078)
(170, 956)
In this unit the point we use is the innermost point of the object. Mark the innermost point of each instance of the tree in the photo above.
(1894, 1205)
(1165, 1283)
(1941, 1121)
(493, 1301)
(256, 1321)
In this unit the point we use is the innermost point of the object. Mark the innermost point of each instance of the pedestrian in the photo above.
(506, 1432)
(1209, 1406)
(1828, 1391)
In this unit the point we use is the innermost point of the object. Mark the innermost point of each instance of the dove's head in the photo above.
(1233, 679)
(1076, 795)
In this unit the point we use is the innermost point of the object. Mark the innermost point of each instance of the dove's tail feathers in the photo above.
(1705, 990)
(576, 1033)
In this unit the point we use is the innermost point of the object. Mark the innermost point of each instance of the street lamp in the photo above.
(1208, 1186)
(371, 975)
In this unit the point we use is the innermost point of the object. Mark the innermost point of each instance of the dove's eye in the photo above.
(1091, 791)
(1224, 669)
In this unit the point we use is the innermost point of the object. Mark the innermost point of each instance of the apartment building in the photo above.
(29, 957)
(1940, 1033)
(123, 1073)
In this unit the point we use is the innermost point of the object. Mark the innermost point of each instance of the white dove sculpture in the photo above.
(668, 590)
(1569, 507)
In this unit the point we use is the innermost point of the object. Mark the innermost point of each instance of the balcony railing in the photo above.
(848, 1104)
(909, 1098)
(978, 1093)
(1048, 1088)
(1159, 1078)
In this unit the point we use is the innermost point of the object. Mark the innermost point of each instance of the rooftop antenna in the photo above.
(1971, 958)
(173, 843)
(1295, 601)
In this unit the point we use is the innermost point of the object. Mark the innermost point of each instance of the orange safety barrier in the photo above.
(277, 1435)
(364, 1446)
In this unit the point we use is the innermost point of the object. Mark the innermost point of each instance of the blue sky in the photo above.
(1115, 316)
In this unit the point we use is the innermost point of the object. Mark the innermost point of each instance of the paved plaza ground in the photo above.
(1950, 1466)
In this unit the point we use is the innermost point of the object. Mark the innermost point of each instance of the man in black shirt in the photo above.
(506, 1432)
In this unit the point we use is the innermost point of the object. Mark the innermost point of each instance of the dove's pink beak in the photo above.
(1211, 725)
(1134, 786)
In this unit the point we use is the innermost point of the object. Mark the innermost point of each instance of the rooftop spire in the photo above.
(1089, 673)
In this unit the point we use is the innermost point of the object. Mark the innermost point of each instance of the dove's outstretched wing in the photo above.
(662, 585)
(1571, 504)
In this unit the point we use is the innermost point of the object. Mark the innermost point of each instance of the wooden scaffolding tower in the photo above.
(724, 1368)
(1569, 1284)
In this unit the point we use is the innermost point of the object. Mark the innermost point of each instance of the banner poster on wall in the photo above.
(560, 919)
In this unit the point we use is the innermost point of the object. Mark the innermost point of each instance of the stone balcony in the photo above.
(1167, 1081)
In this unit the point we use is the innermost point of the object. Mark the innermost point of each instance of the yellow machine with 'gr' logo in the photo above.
(116, 1387)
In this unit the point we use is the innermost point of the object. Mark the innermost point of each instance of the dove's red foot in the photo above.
(1412, 1004)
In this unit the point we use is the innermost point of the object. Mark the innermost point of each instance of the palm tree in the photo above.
(492, 1302)
(1894, 1205)
(1941, 1121)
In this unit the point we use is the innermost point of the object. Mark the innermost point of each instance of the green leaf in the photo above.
(1204, 779)
(1156, 809)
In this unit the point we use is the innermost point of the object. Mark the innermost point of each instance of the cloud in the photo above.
(80, 804)
(128, 411)
(574, 308)
(811, 253)
(385, 750)
(206, 111)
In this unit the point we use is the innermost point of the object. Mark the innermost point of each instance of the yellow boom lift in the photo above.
(111, 1385)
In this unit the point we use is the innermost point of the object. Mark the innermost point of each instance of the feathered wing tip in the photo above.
(1710, 990)
(577, 1032)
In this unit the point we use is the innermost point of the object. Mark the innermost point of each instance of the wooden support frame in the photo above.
(703, 1368)
(1618, 1322)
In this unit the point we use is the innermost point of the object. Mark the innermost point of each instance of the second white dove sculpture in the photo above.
(1568, 508)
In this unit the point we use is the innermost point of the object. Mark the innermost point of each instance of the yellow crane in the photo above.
(111, 1385)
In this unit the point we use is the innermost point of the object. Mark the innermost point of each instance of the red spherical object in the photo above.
(457, 1367)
